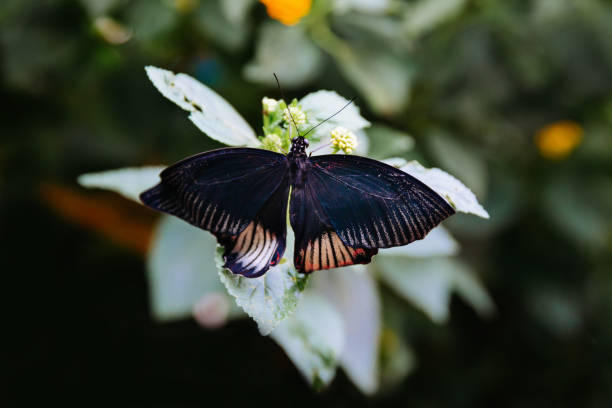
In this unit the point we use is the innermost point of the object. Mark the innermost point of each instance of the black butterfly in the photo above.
(342, 208)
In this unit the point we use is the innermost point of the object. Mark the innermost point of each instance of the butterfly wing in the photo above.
(317, 244)
(367, 205)
(238, 194)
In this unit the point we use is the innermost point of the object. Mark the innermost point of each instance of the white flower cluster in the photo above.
(343, 139)
(296, 113)
(269, 104)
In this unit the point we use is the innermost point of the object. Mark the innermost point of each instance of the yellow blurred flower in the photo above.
(288, 12)
(559, 139)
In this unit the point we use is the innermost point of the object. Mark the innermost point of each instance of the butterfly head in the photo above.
(298, 147)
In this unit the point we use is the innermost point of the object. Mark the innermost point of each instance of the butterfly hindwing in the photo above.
(317, 245)
(373, 205)
(238, 194)
(262, 243)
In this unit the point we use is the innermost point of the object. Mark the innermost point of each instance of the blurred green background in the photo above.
(512, 97)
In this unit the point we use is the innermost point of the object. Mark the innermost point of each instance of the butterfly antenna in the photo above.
(288, 110)
(325, 120)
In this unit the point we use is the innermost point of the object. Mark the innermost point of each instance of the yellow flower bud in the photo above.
(296, 113)
(343, 139)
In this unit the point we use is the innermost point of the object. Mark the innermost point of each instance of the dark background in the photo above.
(76, 298)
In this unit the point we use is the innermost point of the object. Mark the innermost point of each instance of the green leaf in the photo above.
(313, 338)
(151, 20)
(388, 142)
(363, 6)
(428, 284)
(453, 190)
(236, 11)
(129, 181)
(353, 292)
(271, 298)
(459, 159)
(211, 113)
(580, 208)
(384, 80)
(99, 7)
(223, 22)
(425, 15)
(397, 358)
(180, 268)
(286, 51)
(438, 242)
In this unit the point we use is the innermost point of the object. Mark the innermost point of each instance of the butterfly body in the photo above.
(342, 208)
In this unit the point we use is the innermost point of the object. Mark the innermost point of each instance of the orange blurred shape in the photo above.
(114, 217)
(288, 12)
(557, 140)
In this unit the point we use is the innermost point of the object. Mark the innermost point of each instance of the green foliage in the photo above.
(461, 86)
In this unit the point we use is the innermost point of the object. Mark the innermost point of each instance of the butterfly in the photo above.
(342, 208)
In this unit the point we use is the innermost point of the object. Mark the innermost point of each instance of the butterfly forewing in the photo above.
(239, 194)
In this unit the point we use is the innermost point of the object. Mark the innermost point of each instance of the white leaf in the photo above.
(286, 51)
(270, 298)
(211, 113)
(322, 104)
(396, 162)
(438, 242)
(454, 191)
(181, 268)
(428, 284)
(313, 338)
(387, 142)
(354, 294)
(129, 181)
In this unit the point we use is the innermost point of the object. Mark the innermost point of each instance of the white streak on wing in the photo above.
(254, 249)
(369, 234)
(399, 226)
(211, 218)
(205, 214)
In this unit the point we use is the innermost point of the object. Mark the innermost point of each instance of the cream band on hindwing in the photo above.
(328, 251)
(253, 250)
